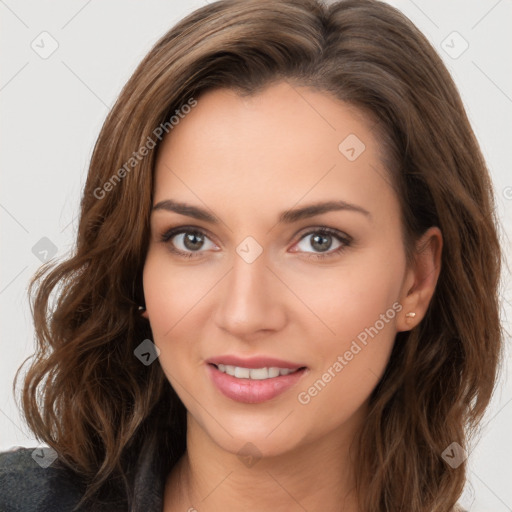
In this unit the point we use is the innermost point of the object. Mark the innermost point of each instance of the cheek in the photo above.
(164, 306)
(333, 396)
(359, 305)
(173, 292)
(174, 297)
(351, 363)
(338, 303)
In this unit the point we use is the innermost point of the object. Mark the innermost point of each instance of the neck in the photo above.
(316, 476)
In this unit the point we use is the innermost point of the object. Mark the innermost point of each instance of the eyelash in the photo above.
(344, 239)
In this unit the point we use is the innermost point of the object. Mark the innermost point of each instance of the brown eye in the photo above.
(321, 241)
(186, 241)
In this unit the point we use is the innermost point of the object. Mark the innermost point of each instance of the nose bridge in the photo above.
(249, 300)
(247, 275)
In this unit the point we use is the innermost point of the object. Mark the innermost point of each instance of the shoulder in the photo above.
(33, 480)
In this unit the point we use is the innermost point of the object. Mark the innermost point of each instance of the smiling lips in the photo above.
(255, 379)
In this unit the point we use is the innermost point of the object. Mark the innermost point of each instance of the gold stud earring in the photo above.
(411, 314)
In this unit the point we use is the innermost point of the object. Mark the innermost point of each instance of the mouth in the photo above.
(264, 373)
(253, 385)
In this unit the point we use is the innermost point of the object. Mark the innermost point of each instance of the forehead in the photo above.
(282, 145)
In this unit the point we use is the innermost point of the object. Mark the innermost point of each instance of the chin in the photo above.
(262, 438)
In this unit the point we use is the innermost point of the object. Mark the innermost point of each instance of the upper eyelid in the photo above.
(178, 230)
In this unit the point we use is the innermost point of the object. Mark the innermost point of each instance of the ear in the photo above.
(421, 279)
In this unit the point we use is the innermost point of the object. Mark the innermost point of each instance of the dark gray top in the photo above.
(27, 486)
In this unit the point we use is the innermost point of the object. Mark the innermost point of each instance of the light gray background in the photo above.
(53, 108)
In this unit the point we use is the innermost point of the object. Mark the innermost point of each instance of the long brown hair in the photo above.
(88, 397)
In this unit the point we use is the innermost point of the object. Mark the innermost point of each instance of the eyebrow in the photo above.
(288, 216)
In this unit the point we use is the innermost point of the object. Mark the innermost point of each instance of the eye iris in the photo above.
(318, 240)
(191, 241)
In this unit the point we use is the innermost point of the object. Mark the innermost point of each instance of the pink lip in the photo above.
(252, 391)
(254, 362)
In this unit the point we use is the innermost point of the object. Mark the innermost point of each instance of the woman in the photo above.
(284, 291)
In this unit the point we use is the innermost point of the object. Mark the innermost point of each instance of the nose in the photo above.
(251, 300)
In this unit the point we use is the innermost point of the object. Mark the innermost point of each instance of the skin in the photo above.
(246, 160)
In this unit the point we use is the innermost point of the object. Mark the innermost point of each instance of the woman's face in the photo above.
(248, 272)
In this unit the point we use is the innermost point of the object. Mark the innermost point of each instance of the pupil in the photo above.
(189, 241)
(318, 245)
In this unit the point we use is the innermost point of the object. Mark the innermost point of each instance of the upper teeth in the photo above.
(253, 373)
